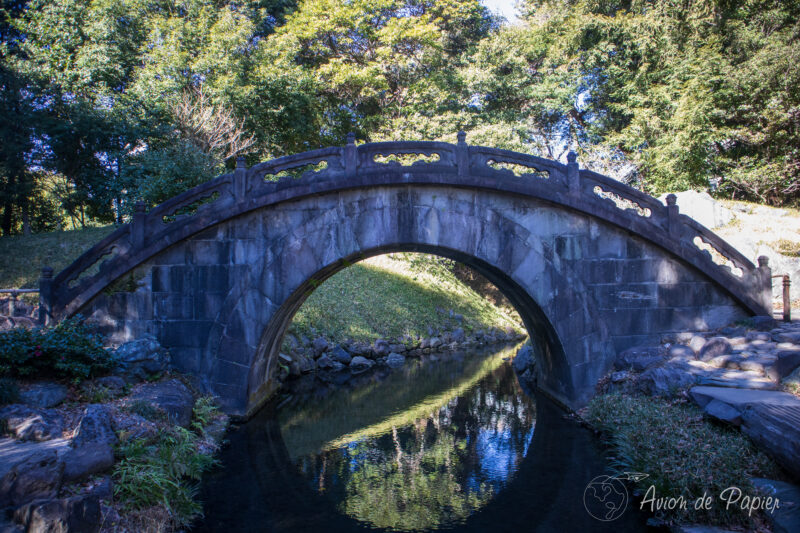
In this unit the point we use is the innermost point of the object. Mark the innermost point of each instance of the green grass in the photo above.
(22, 257)
(682, 453)
(386, 296)
(393, 295)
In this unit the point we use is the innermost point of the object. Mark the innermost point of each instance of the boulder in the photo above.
(95, 427)
(359, 364)
(763, 323)
(620, 377)
(340, 354)
(758, 336)
(6, 323)
(664, 380)
(434, 343)
(172, 397)
(458, 335)
(86, 460)
(524, 359)
(320, 345)
(787, 362)
(325, 363)
(639, 358)
(680, 351)
(696, 343)
(395, 360)
(787, 336)
(140, 359)
(43, 395)
(714, 347)
(39, 476)
(27, 423)
(78, 514)
(733, 331)
(112, 383)
(381, 348)
(133, 426)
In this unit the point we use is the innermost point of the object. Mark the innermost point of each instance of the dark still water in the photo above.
(451, 444)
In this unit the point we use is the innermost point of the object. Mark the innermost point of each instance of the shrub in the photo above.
(682, 453)
(9, 392)
(68, 350)
(164, 473)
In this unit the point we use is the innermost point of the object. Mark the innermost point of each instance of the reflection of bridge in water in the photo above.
(592, 265)
(376, 408)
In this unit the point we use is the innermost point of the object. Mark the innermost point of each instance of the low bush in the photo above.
(68, 350)
(162, 473)
(9, 392)
(682, 453)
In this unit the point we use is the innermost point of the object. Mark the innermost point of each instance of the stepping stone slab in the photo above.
(770, 418)
(786, 518)
(737, 379)
(714, 347)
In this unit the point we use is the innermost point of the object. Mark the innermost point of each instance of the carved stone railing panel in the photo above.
(620, 202)
(404, 155)
(515, 165)
(308, 165)
(618, 196)
(715, 249)
(717, 257)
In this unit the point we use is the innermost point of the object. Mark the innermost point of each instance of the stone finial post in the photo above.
(462, 154)
(573, 174)
(351, 155)
(46, 296)
(673, 217)
(240, 180)
(138, 224)
(763, 279)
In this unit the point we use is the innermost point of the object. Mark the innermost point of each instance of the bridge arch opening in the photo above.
(552, 365)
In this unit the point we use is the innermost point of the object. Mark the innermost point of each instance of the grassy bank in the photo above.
(385, 296)
(22, 257)
(393, 295)
(683, 455)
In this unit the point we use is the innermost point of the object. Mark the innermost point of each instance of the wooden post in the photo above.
(787, 299)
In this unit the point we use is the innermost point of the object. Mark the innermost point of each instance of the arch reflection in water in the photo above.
(419, 450)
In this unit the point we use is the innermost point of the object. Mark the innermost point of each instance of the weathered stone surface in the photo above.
(44, 395)
(738, 379)
(360, 364)
(715, 346)
(680, 351)
(763, 322)
(786, 518)
(524, 359)
(758, 336)
(340, 354)
(39, 476)
(786, 363)
(28, 423)
(696, 343)
(141, 358)
(395, 360)
(458, 335)
(381, 348)
(639, 358)
(776, 429)
(787, 336)
(78, 514)
(320, 345)
(172, 396)
(87, 459)
(325, 363)
(95, 427)
(664, 381)
(723, 412)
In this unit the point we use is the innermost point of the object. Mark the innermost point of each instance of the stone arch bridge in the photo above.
(592, 265)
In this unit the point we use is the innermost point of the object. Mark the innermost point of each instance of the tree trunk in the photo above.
(26, 219)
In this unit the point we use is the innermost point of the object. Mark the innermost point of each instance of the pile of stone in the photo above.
(304, 355)
(736, 375)
(51, 444)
